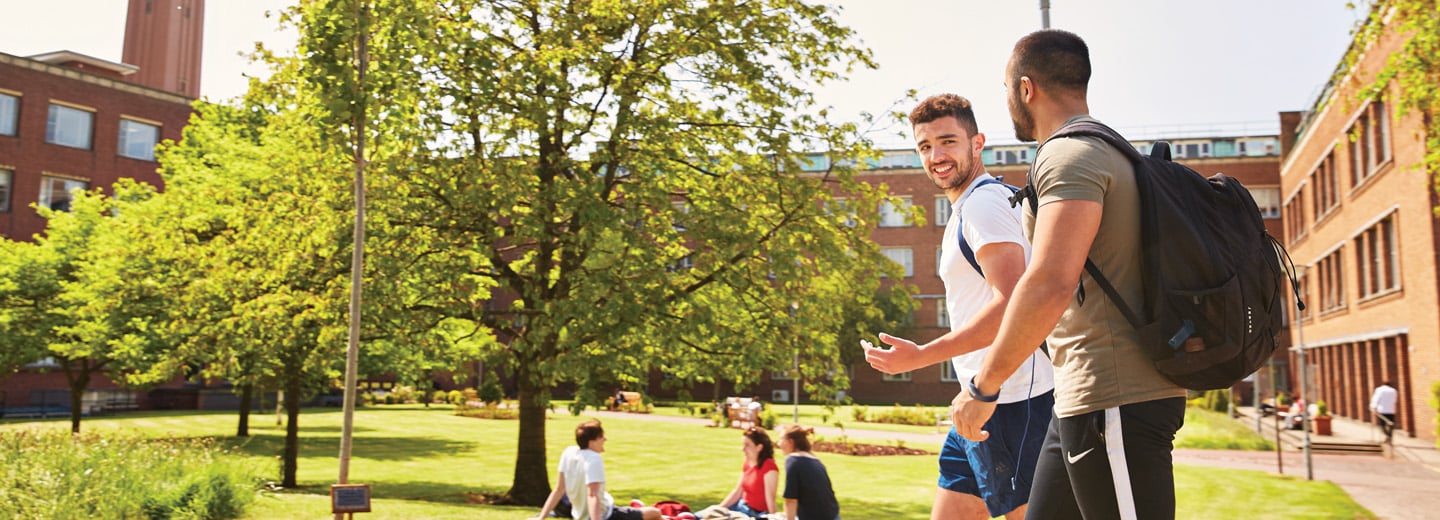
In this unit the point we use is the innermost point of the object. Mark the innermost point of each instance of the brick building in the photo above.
(1359, 214)
(70, 121)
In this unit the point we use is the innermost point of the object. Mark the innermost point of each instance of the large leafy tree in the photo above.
(626, 176)
(1414, 72)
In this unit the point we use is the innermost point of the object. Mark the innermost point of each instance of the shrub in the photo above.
(403, 394)
(118, 476)
(491, 392)
(457, 397)
(916, 415)
(767, 419)
(859, 413)
(1435, 403)
(440, 396)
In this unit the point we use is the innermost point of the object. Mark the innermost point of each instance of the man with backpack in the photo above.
(1107, 453)
(983, 253)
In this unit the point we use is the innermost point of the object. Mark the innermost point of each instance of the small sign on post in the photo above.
(350, 498)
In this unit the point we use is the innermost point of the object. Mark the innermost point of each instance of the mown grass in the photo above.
(1211, 430)
(426, 463)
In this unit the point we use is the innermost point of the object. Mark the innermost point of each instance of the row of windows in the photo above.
(1267, 198)
(54, 191)
(74, 127)
(1023, 154)
(947, 375)
(1377, 269)
(1367, 152)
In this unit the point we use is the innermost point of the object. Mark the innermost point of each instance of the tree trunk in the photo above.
(292, 432)
(531, 484)
(79, 380)
(246, 393)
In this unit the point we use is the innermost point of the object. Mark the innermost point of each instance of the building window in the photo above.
(1377, 254)
(942, 315)
(1327, 194)
(841, 206)
(942, 210)
(69, 127)
(9, 114)
(781, 375)
(1294, 215)
(55, 192)
(947, 373)
(1369, 142)
(1268, 200)
(137, 140)
(903, 256)
(939, 253)
(1330, 271)
(893, 216)
(7, 179)
(905, 376)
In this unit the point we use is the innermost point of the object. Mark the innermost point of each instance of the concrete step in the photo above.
(1347, 448)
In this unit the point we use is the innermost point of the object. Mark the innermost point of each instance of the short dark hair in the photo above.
(799, 436)
(1052, 58)
(588, 431)
(945, 105)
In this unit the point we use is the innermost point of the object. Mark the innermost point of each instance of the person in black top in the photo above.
(808, 494)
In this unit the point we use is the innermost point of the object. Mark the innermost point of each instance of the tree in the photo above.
(1414, 71)
(631, 179)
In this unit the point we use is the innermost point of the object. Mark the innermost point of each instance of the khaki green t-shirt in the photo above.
(1099, 363)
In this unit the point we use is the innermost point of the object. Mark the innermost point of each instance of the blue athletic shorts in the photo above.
(987, 469)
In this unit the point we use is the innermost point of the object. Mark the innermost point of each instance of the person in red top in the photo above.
(754, 495)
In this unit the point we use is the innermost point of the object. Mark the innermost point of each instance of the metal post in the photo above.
(1304, 388)
(1044, 14)
(1255, 401)
(795, 366)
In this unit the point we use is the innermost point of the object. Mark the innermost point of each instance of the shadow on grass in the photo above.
(374, 448)
(416, 491)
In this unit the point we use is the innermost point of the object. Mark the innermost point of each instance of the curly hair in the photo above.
(945, 105)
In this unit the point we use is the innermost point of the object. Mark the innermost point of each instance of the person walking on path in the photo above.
(982, 254)
(1382, 402)
(1108, 451)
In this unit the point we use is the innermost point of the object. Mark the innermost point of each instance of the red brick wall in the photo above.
(28, 155)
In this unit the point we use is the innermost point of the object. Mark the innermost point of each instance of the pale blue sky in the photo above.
(1157, 63)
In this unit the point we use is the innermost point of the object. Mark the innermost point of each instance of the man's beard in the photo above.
(1024, 122)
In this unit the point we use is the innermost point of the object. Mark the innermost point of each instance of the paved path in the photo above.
(1402, 487)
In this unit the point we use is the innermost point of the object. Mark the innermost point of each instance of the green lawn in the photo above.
(423, 462)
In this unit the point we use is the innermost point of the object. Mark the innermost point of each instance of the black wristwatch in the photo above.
(979, 396)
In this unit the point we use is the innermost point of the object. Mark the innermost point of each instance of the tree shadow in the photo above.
(374, 448)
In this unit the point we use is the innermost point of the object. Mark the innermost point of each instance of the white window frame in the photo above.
(9, 113)
(942, 315)
(842, 205)
(947, 372)
(942, 210)
(903, 256)
(7, 182)
(130, 128)
(61, 126)
(1267, 198)
(47, 189)
(892, 216)
(903, 377)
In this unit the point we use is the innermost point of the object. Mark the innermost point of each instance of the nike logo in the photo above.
(1076, 458)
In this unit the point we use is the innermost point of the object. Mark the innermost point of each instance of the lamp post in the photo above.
(1304, 385)
(795, 367)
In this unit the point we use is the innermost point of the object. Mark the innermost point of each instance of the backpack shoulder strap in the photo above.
(964, 245)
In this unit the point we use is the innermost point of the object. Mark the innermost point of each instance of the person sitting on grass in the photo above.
(581, 476)
(808, 494)
(754, 495)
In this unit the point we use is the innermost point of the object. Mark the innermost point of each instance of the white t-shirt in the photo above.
(1383, 400)
(987, 218)
(581, 467)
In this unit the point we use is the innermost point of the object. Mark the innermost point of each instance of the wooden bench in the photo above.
(634, 402)
(943, 423)
(739, 412)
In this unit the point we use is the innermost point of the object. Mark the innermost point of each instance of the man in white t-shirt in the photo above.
(1382, 402)
(581, 474)
(983, 253)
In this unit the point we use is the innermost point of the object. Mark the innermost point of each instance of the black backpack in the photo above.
(1212, 275)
